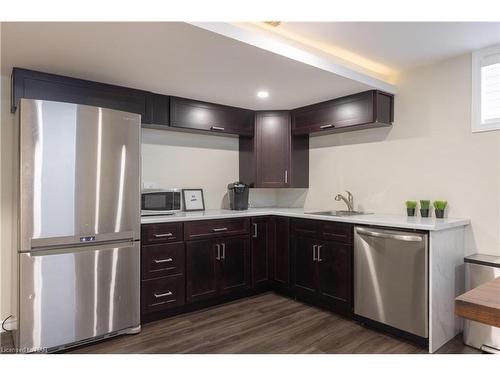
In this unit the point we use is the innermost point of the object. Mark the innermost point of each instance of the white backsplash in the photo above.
(277, 197)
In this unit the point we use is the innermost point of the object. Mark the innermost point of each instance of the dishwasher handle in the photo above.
(390, 236)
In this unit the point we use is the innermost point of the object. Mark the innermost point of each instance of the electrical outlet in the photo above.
(149, 185)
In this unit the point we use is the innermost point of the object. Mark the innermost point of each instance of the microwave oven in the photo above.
(160, 202)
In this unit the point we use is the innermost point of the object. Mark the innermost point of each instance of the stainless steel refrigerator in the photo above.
(79, 225)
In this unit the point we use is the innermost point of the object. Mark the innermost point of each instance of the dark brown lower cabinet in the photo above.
(217, 266)
(162, 293)
(334, 272)
(224, 259)
(323, 272)
(261, 246)
(305, 280)
(234, 264)
(201, 270)
(280, 256)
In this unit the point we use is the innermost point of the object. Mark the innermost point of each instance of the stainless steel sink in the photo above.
(339, 213)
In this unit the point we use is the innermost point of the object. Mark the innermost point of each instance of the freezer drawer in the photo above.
(74, 294)
(391, 278)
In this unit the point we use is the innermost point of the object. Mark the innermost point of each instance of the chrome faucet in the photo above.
(349, 201)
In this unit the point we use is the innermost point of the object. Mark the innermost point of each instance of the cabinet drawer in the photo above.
(334, 231)
(305, 227)
(163, 293)
(197, 230)
(161, 233)
(162, 260)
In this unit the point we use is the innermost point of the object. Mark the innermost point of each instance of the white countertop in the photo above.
(396, 221)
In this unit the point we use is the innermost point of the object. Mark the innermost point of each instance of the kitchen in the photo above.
(300, 195)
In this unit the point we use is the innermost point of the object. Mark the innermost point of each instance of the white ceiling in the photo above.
(230, 64)
(400, 45)
(170, 58)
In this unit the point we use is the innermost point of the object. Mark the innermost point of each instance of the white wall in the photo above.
(174, 159)
(429, 153)
(189, 160)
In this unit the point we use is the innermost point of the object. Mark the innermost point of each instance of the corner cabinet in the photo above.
(280, 254)
(274, 158)
(368, 109)
(214, 118)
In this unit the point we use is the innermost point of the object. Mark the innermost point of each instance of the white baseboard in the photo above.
(10, 324)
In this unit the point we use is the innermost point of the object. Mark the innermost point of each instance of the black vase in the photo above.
(410, 211)
(424, 212)
(439, 213)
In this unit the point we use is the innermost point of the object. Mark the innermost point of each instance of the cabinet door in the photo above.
(348, 111)
(201, 270)
(272, 132)
(215, 118)
(305, 283)
(31, 84)
(260, 251)
(281, 252)
(334, 273)
(235, 264)
(159, 106)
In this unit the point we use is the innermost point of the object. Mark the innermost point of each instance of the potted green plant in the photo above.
(439, 207)
(424, 208)
(410, 207)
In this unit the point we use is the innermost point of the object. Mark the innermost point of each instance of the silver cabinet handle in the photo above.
(218, 251)
(314, 252)
(318, 258)
(328, 126)
(219, 229)
(286, 176)
(218, 128)
(169, 293)
(166, 260)
(254, 230)
(163, 235)
(223, 251)
(390, 236)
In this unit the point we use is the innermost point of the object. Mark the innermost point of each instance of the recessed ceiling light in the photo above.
(262, 94)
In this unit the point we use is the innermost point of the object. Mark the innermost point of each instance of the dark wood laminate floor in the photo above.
(266, 323)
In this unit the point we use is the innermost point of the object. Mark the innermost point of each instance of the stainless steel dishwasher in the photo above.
(391, 278)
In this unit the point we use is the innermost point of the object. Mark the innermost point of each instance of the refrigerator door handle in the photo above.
(38, 244)
(78, 249)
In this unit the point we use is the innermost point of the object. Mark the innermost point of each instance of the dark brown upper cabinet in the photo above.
(196, 115)
(275, 132)
(44, 86)
(159, 106)
(274, 158)
(364, 110)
